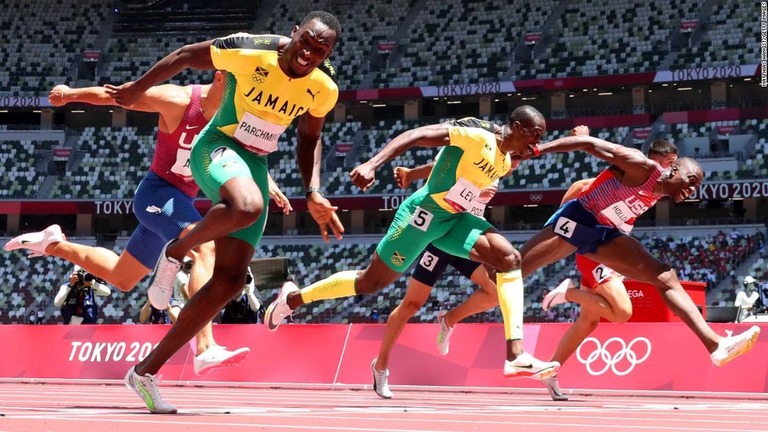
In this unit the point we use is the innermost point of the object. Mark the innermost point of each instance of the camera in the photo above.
(83, 276)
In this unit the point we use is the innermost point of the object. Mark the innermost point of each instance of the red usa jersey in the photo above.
(171, 159)
(617, 205)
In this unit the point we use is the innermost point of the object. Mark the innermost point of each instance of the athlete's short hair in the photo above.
(661, 147)
(524, 114)
(326, 18)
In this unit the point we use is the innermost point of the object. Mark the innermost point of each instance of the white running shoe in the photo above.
(554, 389)
(557, 295)
(217, 356)
(731, 346)
(444, 337)
(528, 366)
(279, 308)
(161, 289)
(146, 387)
(36, 242)
(381, 382)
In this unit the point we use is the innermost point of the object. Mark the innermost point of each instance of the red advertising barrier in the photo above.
(648, 306)
(632, 356)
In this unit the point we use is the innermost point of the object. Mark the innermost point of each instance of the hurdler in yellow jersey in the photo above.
(475, 153)
(271, 80)
(261, 100)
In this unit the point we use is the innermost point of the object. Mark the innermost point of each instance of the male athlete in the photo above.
(596, 278)
(270, 81)
(595, 225)
(163, 202)
(430, 268)
(474, 157)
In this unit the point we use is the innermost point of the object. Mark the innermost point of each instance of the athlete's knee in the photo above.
(510, 261)
(587, 322)
(203, 253)
(124, 285)
(368, 283)
(245, 207)
(226, 283)
(622, 315)
(667, 277)
(409, 307)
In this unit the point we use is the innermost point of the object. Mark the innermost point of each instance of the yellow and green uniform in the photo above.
(436, 213)
(260, 101)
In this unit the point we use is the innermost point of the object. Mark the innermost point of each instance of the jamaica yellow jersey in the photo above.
(471, 163)
(260, 100)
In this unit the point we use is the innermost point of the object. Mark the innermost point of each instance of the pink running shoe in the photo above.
(36, 242)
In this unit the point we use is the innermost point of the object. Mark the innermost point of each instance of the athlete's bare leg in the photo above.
(615, 295)
(609, 300)
(416, 295)
(544, 248)
(241, 205)
(479, 301)
(232, 258)
(122, 271)
(371, 280)
(585, 324)
(204, 259)
(644, 267)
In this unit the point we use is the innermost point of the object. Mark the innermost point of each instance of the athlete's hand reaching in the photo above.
(325, 215)
(279, 197)
(56, 96)
(402, 177)
(363, 176)
(124, 95)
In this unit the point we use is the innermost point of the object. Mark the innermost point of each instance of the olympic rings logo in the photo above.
(536, 197)
(611, 354)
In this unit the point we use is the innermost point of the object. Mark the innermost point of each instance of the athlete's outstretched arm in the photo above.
(436, 135)
(308, 157)
(160, 99)
(627, 159)
(61, 95)
(195, 56)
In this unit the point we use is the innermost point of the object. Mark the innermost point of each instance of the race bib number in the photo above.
(257, 135)
(462, 195)
(421, 219)
(601, 273)
(428, 261)
(181, 166)
(565, 227)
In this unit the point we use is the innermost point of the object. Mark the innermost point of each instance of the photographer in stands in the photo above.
(245, 306)
(77, 299)
(748, 298)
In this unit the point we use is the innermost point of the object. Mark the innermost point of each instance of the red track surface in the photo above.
(113, 408)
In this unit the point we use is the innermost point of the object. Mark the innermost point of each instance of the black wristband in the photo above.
(310, 190)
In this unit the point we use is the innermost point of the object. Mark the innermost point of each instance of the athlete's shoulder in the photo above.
(472, 122)
(327, 68)
(248, 41)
